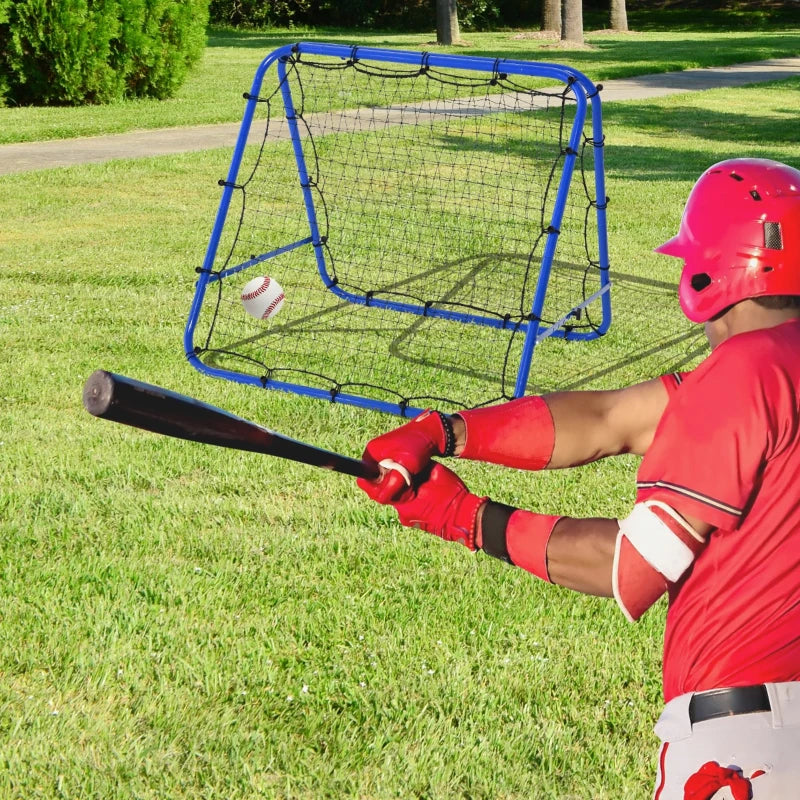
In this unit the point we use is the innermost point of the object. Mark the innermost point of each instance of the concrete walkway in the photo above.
(28, 156)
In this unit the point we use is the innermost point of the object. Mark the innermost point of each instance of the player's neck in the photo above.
(745, 317)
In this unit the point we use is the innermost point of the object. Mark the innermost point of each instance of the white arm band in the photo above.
(658, 541)
(655, 547)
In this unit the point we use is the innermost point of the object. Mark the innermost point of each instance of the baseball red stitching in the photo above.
(256, 292)
(271, 307)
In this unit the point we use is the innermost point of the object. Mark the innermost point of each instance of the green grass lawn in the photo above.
(178, 621)
(213, 90)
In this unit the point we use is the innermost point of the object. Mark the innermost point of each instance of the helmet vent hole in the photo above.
(700, 281)
(736, 177)
(766, 269)
(772, 236)
(755, 195)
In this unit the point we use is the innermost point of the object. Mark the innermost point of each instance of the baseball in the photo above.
(262, 297)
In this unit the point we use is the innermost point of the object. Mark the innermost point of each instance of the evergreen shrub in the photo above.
(70, 52)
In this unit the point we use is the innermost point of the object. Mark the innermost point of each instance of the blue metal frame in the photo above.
(584, 92)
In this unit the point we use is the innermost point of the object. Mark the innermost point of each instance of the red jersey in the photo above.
(727, 451)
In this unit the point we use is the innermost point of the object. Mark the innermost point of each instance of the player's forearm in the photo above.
(563, 429)
(575, 553)
(578, 432)
(583, 429)
(580, 554)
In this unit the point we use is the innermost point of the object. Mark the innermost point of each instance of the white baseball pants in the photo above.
(718, 757)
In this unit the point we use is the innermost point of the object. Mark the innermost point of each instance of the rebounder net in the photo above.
(430, 219)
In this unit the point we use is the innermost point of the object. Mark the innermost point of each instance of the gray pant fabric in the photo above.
(765, 745)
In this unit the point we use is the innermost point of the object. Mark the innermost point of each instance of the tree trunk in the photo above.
(619, 15)
(572, 21)
(447, 22)
(551, 15)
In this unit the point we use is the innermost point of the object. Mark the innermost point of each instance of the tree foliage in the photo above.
(395, 14)
(69, 52)
(416, 15)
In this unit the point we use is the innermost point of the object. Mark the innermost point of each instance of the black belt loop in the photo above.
(728, 702)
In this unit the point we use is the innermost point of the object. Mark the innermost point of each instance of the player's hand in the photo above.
(442, 505)
(404, 453)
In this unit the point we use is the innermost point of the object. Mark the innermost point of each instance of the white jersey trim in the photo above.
(686, 492)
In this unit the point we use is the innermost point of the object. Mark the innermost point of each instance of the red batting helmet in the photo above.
(739, 236)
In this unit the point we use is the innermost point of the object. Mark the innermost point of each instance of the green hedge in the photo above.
(70, 52)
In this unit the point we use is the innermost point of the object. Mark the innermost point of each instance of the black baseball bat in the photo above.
(142, 405)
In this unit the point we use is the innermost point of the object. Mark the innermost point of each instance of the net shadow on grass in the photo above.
(337, 345)
(435, 359)
(650, 337)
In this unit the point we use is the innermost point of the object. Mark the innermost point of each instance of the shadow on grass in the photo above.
(628, 54)
(704, 16)
(651, 337)
(651, 164)
(625, 56)
(779, 126)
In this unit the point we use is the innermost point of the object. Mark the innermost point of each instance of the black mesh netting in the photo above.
(430, 188)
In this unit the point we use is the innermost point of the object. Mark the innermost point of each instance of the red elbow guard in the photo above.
(518, 434)
(655, 547)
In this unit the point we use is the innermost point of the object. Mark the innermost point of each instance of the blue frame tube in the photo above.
(564, 183)
(224, 204)
(218, 276)
(557, 327)
(302, 171)
(583, 90)
(600, 208)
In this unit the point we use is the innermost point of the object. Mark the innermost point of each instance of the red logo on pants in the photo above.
(711, 777)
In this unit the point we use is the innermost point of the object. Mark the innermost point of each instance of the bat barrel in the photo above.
(142, 405)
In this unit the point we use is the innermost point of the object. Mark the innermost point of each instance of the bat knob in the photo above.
(98, 392)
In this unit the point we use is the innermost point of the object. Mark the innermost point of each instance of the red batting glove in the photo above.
(442, 505)
(404, 452)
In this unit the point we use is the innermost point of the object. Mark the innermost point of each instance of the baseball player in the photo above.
(716, 523)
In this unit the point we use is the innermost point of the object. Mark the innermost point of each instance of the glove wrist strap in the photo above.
(493, 530)
(438, 428)
(464, 527)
